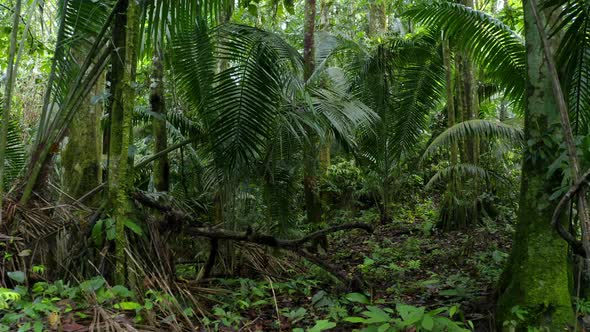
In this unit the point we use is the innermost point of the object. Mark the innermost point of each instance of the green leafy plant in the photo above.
(7, 296)
(383, 319)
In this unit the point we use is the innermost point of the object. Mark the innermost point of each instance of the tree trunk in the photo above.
(308, 38)
(446, 51)
(326, 147)
(120, 176)
(377, 17)
(460, 213)
(537, 277)
(325, 14)
(311, 185)
(467, 102)
(311, 162)
(161, 172)
(82, 155)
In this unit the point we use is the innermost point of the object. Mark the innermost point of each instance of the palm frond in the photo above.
(82, 51)
(159, 19)
(464, 171)
(15, 154)
(240, 104)
(194, 63)
(573, 57)
(478, 128)
(490, 43)
(246, 97)
(421, 91)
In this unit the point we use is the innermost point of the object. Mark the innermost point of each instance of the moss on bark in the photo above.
(538, 275)
(120, 178)
(82, 156)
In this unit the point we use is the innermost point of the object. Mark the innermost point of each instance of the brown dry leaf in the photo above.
(74, 327)
(53, 320)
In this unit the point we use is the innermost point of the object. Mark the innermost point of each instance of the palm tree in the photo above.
(244, 120)
(401, 79)
(497, 46)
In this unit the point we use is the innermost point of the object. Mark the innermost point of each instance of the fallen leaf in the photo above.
(74, 327)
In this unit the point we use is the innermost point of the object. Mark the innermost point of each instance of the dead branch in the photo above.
(354, 283)
(172, 215)
(269, 240)
(295, 245)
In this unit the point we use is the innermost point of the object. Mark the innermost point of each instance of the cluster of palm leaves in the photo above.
(242, 111)
(499, 53)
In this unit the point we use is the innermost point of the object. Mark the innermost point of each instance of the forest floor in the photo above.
(405, 261)
(401, 262)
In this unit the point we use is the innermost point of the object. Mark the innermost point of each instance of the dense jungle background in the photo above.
(294, 165)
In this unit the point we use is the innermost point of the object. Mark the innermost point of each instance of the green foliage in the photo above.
(493, 45)
(381, 319)
(44, 303)
(15, 154)
(477, 129)
(6, 296)
(17, 276)
(343, 181)
(572, 24)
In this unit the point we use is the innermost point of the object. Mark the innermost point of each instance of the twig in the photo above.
(274, 297)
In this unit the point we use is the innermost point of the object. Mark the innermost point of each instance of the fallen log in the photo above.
(296, 246)
(269, 240)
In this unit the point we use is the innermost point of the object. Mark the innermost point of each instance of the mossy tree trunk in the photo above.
(325, 7)
(537, 277)
(326, 147)
(82, 155)
(120, 176)
(381, 99)
(467, 102)
(161, 172)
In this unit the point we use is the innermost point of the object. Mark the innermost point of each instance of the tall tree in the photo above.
(120, 179)
(311, 161)
(82, 155)
(537, 276)
(446, 53)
